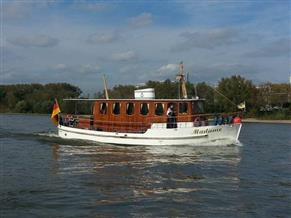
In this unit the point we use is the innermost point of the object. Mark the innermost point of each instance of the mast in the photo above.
(196, 92)
(105, 87)
(182, 82)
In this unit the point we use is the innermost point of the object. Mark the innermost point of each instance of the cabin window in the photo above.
(144, 109)
(183, 108)
(103, 108)
(116, 108)
(198, 107)
(159, 109)
(129, 108)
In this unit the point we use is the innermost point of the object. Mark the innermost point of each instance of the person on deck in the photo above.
(216, 120)
(237, 120)
(171, 120)
(197, 122)
(220, 120)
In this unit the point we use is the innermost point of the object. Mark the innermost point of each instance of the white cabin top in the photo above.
(148, 93)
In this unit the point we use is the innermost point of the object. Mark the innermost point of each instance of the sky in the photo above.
(132, 41)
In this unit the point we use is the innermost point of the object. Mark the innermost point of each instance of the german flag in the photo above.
(56, 111)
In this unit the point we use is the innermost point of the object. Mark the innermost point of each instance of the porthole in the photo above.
(129, 108)
(144, 109)
(116, 108)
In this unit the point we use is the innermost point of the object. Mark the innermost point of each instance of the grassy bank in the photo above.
(30, 114)
(254, 120)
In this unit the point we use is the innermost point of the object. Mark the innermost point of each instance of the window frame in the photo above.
(113, 108)
(101, 106)
(133, 109)
(195, 107)
(148, 109)
(163, 109)
(187, 107)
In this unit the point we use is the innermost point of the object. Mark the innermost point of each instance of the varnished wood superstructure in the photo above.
(132, 115)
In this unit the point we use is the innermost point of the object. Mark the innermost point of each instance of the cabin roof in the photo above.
(135, 100)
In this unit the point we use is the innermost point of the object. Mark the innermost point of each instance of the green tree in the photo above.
(122, 92)
(21, 107)
(34, 98)
(2, 93)
(206, 92)
(236, 89)
(165, 89)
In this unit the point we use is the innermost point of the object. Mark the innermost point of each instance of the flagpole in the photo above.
(59, 107)
(55, 113)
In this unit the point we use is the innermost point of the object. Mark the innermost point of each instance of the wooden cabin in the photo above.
(135, 116)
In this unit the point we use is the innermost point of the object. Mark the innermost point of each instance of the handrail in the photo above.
(181, 121)
(153, 118)
(193, 116)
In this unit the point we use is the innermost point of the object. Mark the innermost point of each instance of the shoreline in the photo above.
(33, 114)
(254, 120)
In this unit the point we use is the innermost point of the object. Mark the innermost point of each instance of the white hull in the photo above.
(185, 134)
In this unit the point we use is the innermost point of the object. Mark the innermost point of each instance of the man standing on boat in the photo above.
(171, 118)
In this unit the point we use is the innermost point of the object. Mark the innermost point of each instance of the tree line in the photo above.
(34, 98)
(266, 100)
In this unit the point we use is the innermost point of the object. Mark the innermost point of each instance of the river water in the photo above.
(44, 176)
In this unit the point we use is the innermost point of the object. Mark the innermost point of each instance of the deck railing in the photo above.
(181, 121)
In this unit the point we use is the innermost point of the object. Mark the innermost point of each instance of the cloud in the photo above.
(277, 48)
(20, 10)
(87, 69)
(100, 38)
(83, 69)
(17, 75)
(34, 41)
(7, 75)
(220, 44)
(214, 72)
(128, 68)
(141, 20)
(235, 69)
(124, 56)
(169, 68)
(92, 7)
(10, 56)
(60, 67)
(15, 10)
(207, 39)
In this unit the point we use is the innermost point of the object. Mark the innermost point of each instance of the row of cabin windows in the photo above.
(144, 108)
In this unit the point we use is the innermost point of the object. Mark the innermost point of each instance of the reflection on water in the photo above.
(134, 174)
(143, 156)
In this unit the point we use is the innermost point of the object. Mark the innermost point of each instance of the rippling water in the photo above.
(44, 176)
